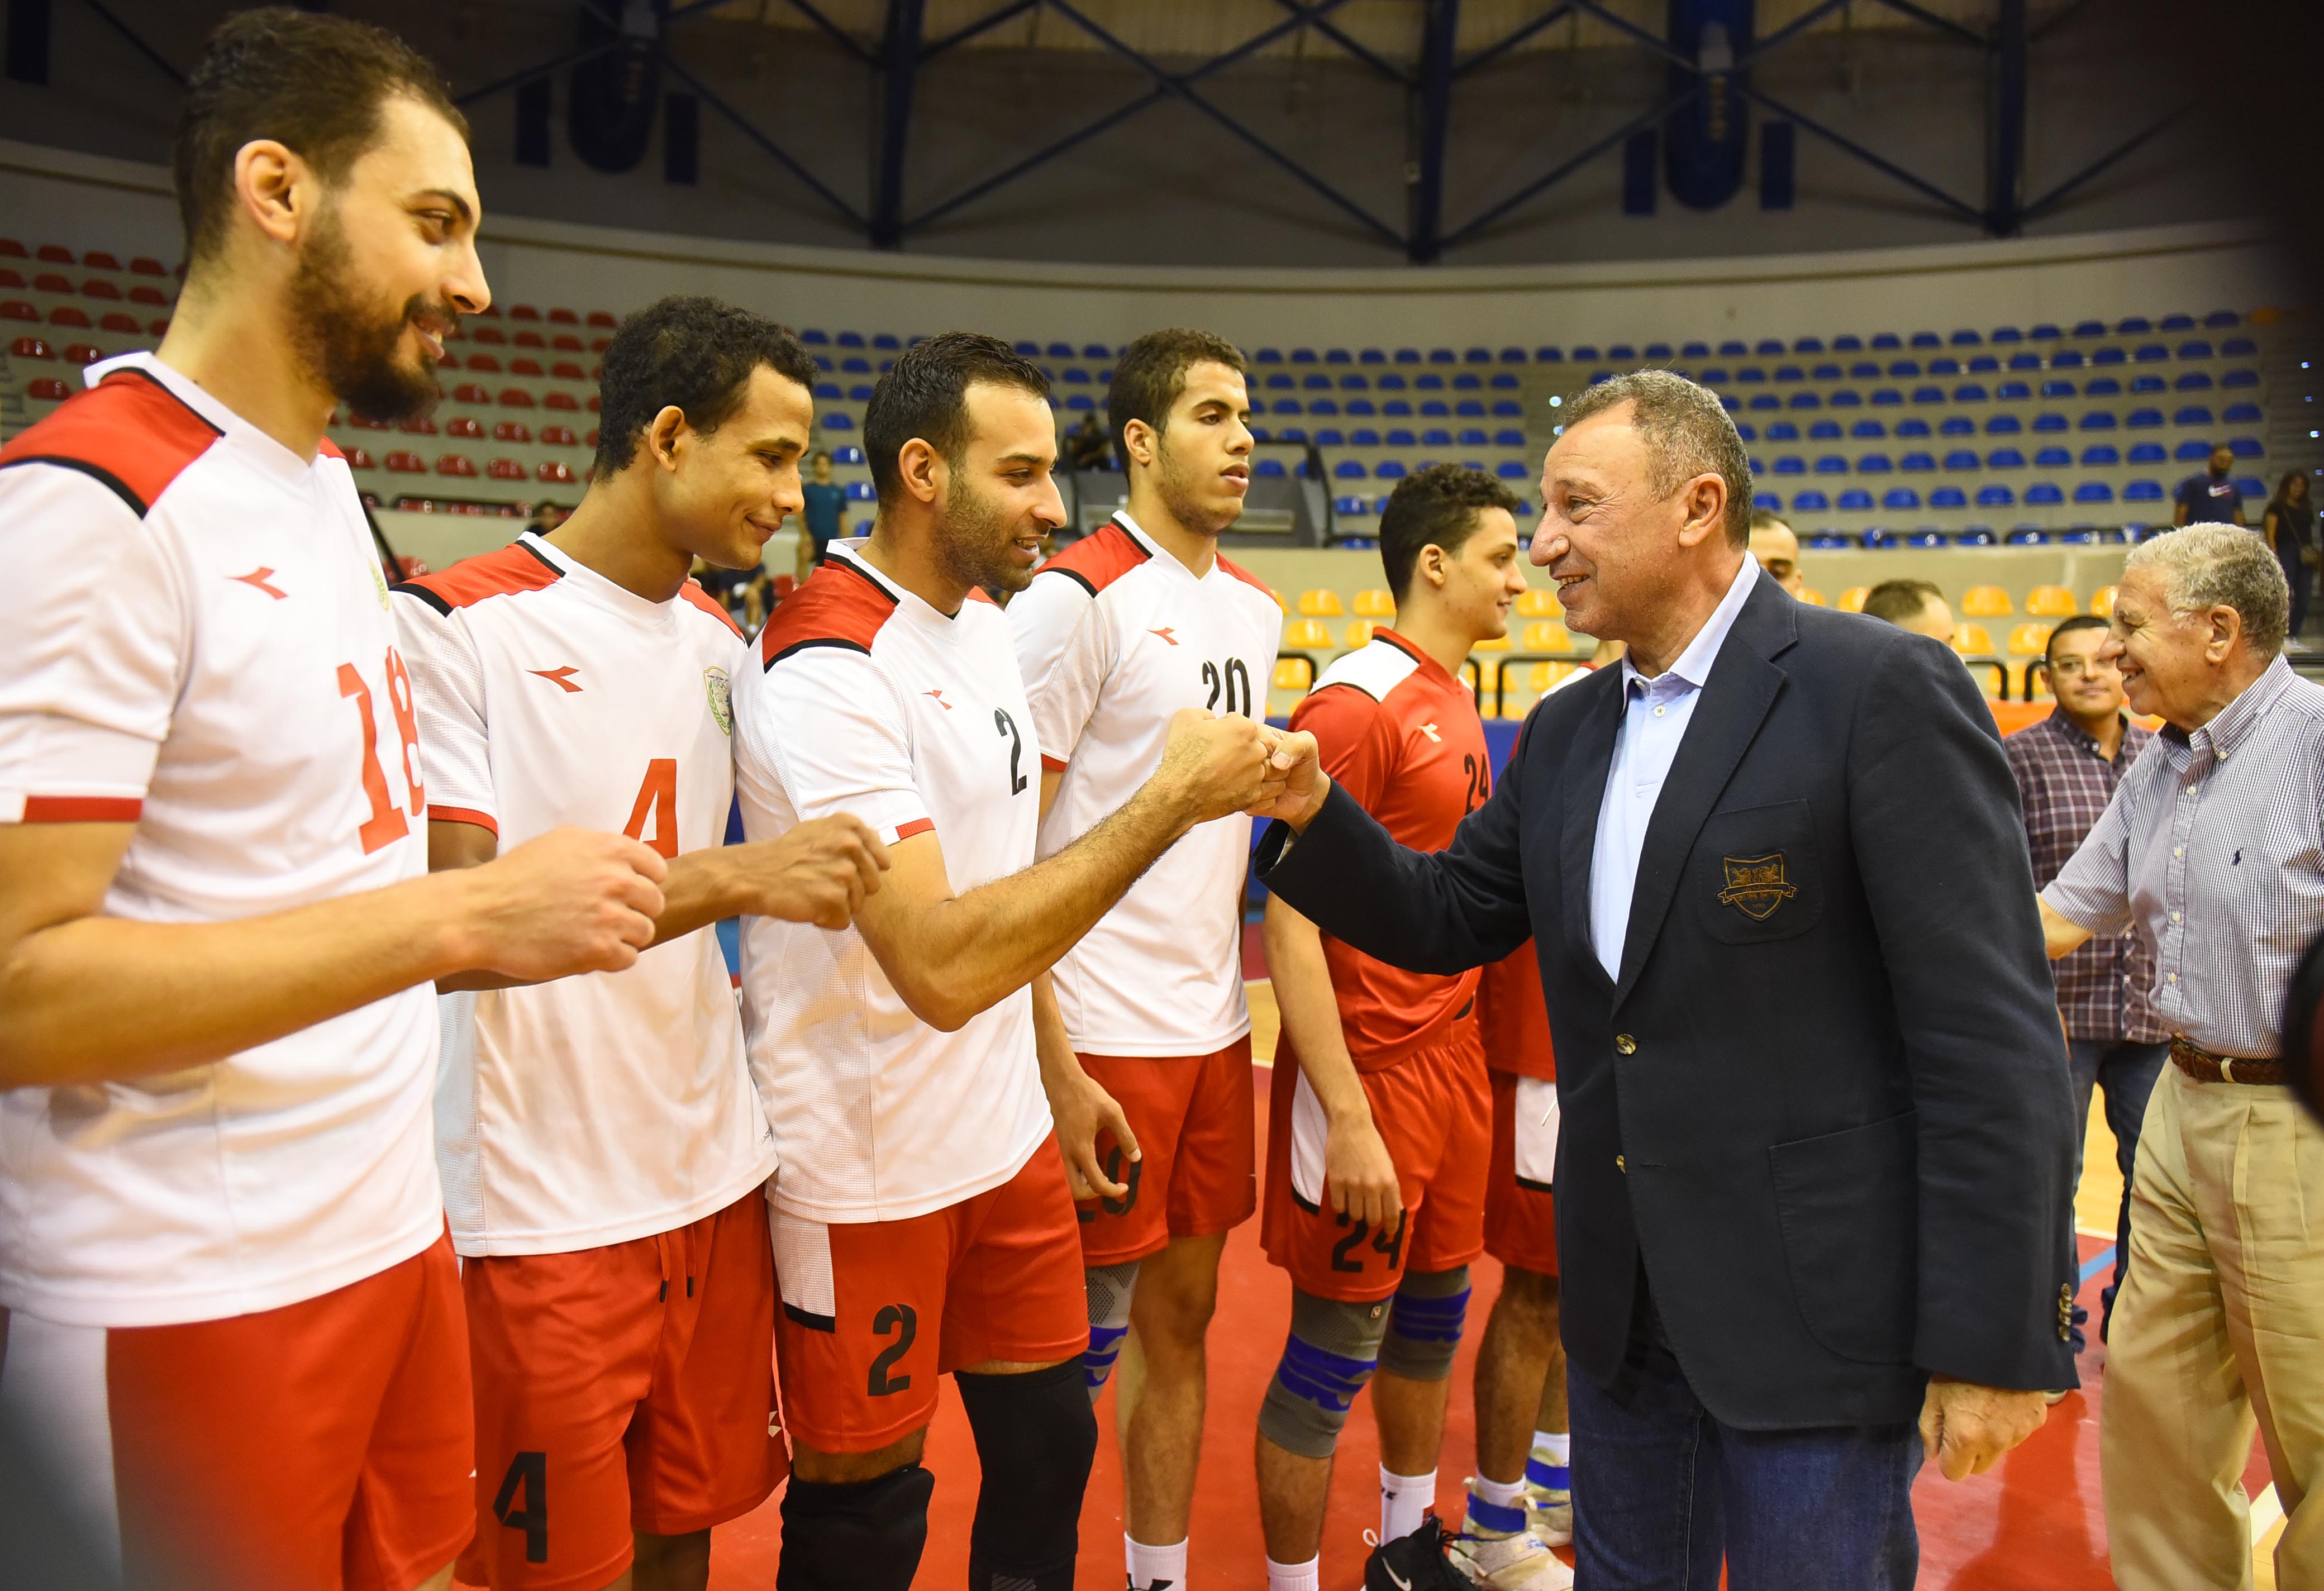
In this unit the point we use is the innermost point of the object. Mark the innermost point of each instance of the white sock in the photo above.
(1155, 1568)
(1501, 1494)
(1554, 1447)
(1403, 1499)
(1296, 1577)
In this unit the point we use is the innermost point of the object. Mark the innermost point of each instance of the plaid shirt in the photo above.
(2103, 987)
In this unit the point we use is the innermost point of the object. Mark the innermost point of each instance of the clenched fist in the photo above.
(819, 872)
(1213, 768)
(573, 900)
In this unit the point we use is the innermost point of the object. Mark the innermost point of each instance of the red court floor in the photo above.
(2036, 1523)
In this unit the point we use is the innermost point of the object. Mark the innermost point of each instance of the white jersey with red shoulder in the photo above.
(864, 699)
(587, 1110)
(1115, 635)
(195, 639)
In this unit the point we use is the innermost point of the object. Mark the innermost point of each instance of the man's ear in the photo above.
(662, 433)
(274, 189)
(1137, 442)
(1703, 500)
(2227, 627)
(922, 469)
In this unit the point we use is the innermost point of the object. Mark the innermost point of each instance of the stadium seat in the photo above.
(1539, 603)
(1918, 462)
(1900, 497)
(2052, 458)
(1305, 635)
(1358, 633)
(1856, 501)
(2102, 601)
(1547, 635)
(1510, 469)
(2240, 378)
(1390, 469)
(2194, 450)
(1948, 497)
(1851, 601)
(2091, 491)
(1811, 503)
(1320, 602)
(2044, 493)
(1830, 464)
(1374, 603)
(1874, 464)
(554, 473)
(2143, 492)
(1972, 639)
(1790, 464)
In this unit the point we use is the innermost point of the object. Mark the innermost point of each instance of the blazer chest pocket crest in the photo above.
(1753, 877)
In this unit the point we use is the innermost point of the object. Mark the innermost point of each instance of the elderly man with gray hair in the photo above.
(2213, 851)
(1815, 1130)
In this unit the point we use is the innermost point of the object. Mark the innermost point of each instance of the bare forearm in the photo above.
(1311, 1011)
(2061, 935)
(105, 998)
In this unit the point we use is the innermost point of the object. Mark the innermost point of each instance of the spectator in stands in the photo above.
(547, 516)
(2210, 848)
(1916, 605)
(1087, 445)
(826, 510)
(1778, 547)
(2210, 498)
(2289, 522)
(2067, 767)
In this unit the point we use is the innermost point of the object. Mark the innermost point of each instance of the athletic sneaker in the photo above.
(1416, 1562)
(1516, 1562)
(1549, 1514)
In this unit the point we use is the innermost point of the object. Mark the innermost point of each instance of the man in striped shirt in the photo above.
(2067, 767)
(2213, 850)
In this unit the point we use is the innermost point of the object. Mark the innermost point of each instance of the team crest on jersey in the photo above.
(720, 691)
(378, 583)
(1755, 885)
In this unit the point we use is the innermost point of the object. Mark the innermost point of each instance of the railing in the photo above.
(1508, 660)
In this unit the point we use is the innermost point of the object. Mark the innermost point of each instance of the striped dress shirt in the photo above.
(2213, 850)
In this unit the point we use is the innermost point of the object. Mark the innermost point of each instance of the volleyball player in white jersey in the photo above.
(221, 1235)
(1152, 1090)
(922, 1219)
(602, 1146)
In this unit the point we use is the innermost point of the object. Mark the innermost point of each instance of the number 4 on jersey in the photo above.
(657, 801)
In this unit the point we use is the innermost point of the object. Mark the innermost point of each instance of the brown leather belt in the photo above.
(2203, 1066)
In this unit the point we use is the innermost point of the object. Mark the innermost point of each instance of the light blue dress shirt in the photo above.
(1654, 717)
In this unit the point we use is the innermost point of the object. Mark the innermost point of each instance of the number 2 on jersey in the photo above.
(1007, 726)
(386, 825)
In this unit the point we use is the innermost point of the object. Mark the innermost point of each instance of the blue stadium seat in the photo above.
(1294, 434)
(1856, 501)
(1911, 426)
(1975, 536)
(2240, 378)
(1824, 372)
(861, 491)
(2241, 414)
(1268, 356)
(2146, 452)
(1509, 439)
(1434, 409)
(2089, 328)
(1748, 432)
(2003, 425)
(848, 455)
(1924, 396)
(1900, 497)
(1441, 356)
(1965, 459)
(1078, 401)
(1927, 339)
(1361, 406)
(1769, 501)
(837, 421)
(1348, 469)
(1390, 469)
(1965, 338)
(1542, 355)
(2057, 389)
(1278, 381)
(1695, 351)
(1917, 463)
(1390, 382)
(2149, 384)
(1400, 437)
(1466, 382)
(2238, 348)
(1354, 382)
(2217, 318)
(2004, 458)
(1076, 376)
(2171, 323)
(2197, 348)
(1469, 409)
(854, 365)
(1508, 355)
(2246, 446)
(1969, 392)
(2066, 359)
(2191, 414)
(1927, 536)
(2194, 380)
(1884, 340)
(1317, 382)
(1437, 436)
(1874, 464)
(1944, 367)
(2052, 459)
(1361, 437)
(2099, 420)
(1321, 405)
(2102, 387)
(1847, 343)
(1338, 356)
(1509, 469)
(1824, 431)
(1504, 382)
(1830, 464)
(1782, 430)
(1379, 356)
(1984, 364)
(1864, 370)
(1948, 497)
(827, 392)
(1905, 369)
(1765, 401)
(1267, 466)
(2194, 450)
(848, 339)
(2029, 536)
(2254, 489)
(1395, 406)
(1303, 356)
(1867, 428)
(1791, 463)
(2007, 334)
(2011, 392)
(2024, 361)
(1801, 400)
(1286, 406)
(1351, 506)
(1845, 398)
(2050, 422)
(1994, 496)
(2140, 419)
(2135, 326)
(1508, 408)
(2100, 456)
(2108, 355)
(860, 392)
(1428, 381)
(1473, 436)
(1621, 353)
(2094, 491)
(1810, 503)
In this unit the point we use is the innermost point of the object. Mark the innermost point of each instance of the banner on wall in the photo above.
(1705, 143)
(615, 95)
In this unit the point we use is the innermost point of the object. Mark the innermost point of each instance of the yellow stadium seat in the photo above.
(1971, 641)
(1359, 632)
(2052, 601)
(1305, 635)
(1375, 604)
(1293, 674)
(1279, 602)
(1851, 601)
(1812, 597)
(1547, 635)
(1539, 603)
(1542, 675)
(2102, 601)
(1985, 601)
(2029, 640)
(1319, 604)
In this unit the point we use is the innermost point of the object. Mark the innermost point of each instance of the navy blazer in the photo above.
(1825, 1104)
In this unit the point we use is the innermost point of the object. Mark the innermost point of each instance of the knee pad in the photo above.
(1424, 1328)
(1035, 1437)
(855, 1535)
(1111, 1288)
(1332, 1352)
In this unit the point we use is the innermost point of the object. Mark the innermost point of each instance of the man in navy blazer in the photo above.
(1816, 1140)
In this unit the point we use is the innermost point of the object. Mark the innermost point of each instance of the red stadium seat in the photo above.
(593, 403)
(590, 441)
(69, 315)
(51, 281)
(470, 392)
(406, 463)
(565, 369)
(558, 436)
(555, 474)
(450, 361)
(56, 254)
(9, 279)
(146, 265)
(422, 427)
(97, 286)
(562, 401)
(515, 398)
(566, 342)
(528, 339)
(490, 334)
(524, 367)
(50, 388)
(563, 318)
(11, 249)
(358, 459)
(454, 463)
(151, 295)
(599, 345)
(116, 320)
(505, 469)
(512, 431)
(490, 312)
(84, 353)
(159, 328)
(465, 427)
(523, 312)
(17, 309)
(484, 363)
(365, 422)
(602, 317)
(31, 348)
(98, 259)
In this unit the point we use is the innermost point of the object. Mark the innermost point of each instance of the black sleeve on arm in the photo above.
(1445, 912)
(1938, 835)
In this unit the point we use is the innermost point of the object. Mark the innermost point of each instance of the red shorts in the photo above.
(999, 1274)
(620, 1389)
(1520, 1214)
(1195, 1121)
(1434, 1111)
(323, 1444)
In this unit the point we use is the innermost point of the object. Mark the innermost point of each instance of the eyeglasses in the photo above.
(2074, 667)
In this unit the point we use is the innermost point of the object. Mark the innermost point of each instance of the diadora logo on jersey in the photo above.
(720, 690)
(562, 678)
(938, 694)
(257, 579)
(1430, 731)
(1165, 633)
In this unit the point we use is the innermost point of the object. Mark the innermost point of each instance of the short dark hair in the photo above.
(692, 352)
(2078, 622)
(313, 83)
(1896, 601)
(1687, 433)
(925, 394)
(1769, 519)
(1150, 372)
(1435, 507)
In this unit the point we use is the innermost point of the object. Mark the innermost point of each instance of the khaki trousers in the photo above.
(2221, 1325)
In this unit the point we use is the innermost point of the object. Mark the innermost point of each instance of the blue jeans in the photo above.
(1663, 1492)
(2129, 1071)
